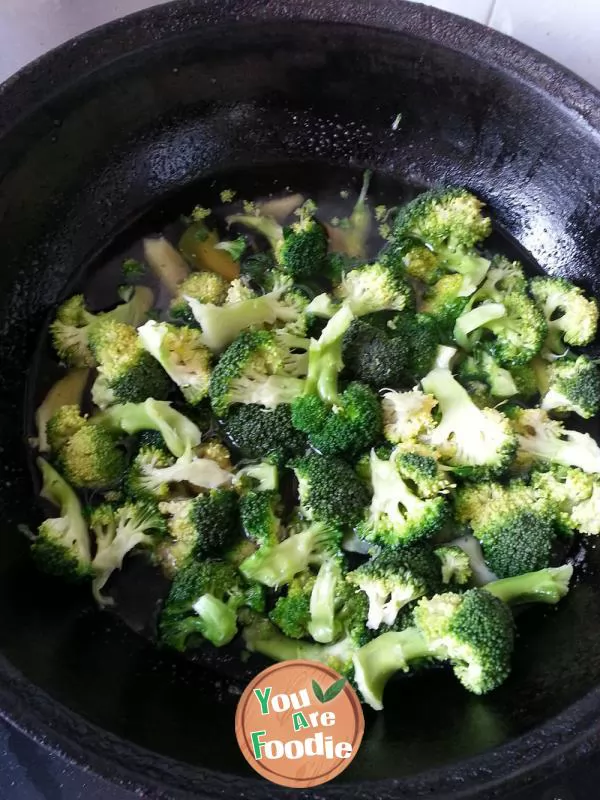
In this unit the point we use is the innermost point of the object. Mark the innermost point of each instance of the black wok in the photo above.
(124, 119)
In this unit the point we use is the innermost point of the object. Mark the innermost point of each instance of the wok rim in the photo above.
(524, 760)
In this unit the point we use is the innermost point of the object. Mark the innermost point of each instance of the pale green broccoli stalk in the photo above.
(544, 586)
(73, 324)
(117, 532)
(322, 623)
(541, 439)
(67, 392)
(573, 386)
(222, 324)
(62, 544)
(572, 318)
(503, 277)
(179, 432)
(477, 443)
(201, 473)
(180, 352)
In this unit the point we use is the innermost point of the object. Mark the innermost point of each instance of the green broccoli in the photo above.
(444, 302)
(258, 268)
(117, 532)
(419, 465)
(180, 352)
(180, 434)
(258, 432)
(330, 491)
(477, 443)
(152, 472)
(397, 515)
(291, 613)
(514, 523)
(92, 458)
(407, 415)
(517, 326)
(260, 516)
(541, 439)
(74, 324)
(573, 386)
(200, 527)
(126, 372)
(544, 586)
(205, 287)
(276, 564)
(63, 424)
(374, 287)
(335, 422)
(203, 603)
(222, 324)
(455, 565)
(393, 579)
(421, 333)
(574, 494)
(572, 318)
(260, 477)
(474, 631)
(258, 368)
(302, 253)
(481, 368)
(503, 277)
(62, 544)
(373, 357)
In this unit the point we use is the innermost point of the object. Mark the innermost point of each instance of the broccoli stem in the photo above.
(452, 398)
(322, 603)
(218, 620)
(325, 358)
(477, 318)
(377, 661)
(544, 586)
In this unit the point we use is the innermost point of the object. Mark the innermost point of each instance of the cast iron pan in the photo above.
(123, 120)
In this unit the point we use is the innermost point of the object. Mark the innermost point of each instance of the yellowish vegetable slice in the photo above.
(66, 392)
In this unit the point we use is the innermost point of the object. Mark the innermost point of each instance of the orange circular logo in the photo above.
(299, 723)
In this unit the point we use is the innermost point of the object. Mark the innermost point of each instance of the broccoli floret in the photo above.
(572, 318)
(204, 602)
(455, 564)
(397, 515)
(448, 219)
(63, 424)
(180, 434)
(517, 325)
(258, 432)
(258, 268)
(474, 631)
(74, 324)
(574, 494)
(573, 386)
(261, 477)
(258, 368)
(260, 516)
(66, 392)
(92, 458)
(335, 422)
(117, 532)
(373, 357)
(201, 527)
(151, 472)
(205, 287)
(544, 586)
(276, 564)
(541, 439)
(444, 302)
(291, 613)
(392, 580)
(329, 489)
(62, 544)
(217, 452)
(407, 415)
(477, 443)
(126, 372)
(420, 332)
(180, 352)
(503, 277)
(514, 523)
(482, 368)
(374, 287)
(302, 253)
(222, 324)
(419, 464)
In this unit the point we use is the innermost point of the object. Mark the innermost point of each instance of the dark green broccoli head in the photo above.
(215, 517)
(258, 268)
(258, 432)
(474, 631)
(259, 515)
(373, 357)
(518, 541)
(450, 218)
(354, 424)
(303, 251)
(444, 303)
(330, 490)
(573, 386)
(291, 613)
